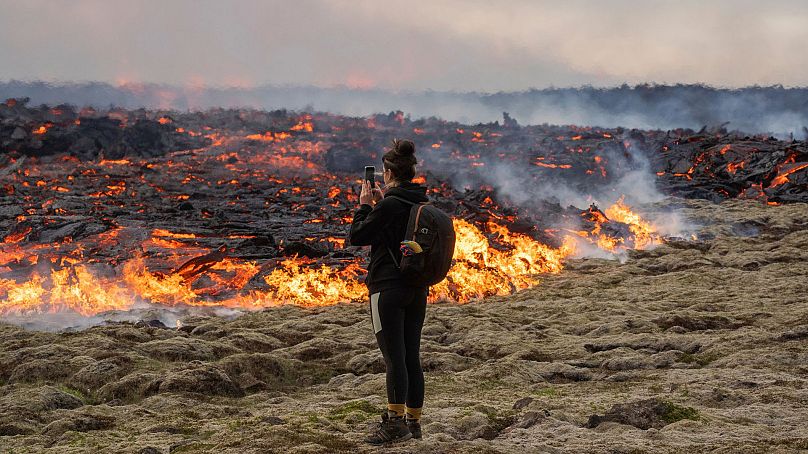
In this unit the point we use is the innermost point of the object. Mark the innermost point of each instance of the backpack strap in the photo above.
(401, 199)
(417, 218)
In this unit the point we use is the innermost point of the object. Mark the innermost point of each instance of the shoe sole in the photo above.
(391, 442)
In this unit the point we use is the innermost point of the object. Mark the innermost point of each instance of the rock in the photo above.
(149, 450)
(527, 420)
(187, 349)
(202, 379)
(22, 409)
(273, 371)
(314, 349)
(41, 369)
(692, 322)
(798, 333)
(209, 331)
(150, 324)
(79, 423)
(130, 387)
(475, 425)
(184, 445)
(515, 372)
(49, 358)
(644, 414)
(253, 341)
(11, 428)
(272, 420)
(42, 399)
(126, 332)
(522, 403)
(445, 362)
(650, 343)
(298, 248)
(370, 362)
(102, 372)
(563, 373)
(18, 134)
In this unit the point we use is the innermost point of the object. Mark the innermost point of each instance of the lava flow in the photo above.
(256, 218)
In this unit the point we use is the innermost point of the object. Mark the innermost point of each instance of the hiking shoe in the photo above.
(415, 428)
(390, 430)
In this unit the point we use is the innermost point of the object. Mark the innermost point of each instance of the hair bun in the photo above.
(405, 148)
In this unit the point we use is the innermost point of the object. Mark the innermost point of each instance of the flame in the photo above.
(16, 237)
(305, 126)
(489, 258)
(480, 270)
(782, 177)
(733, 167)
(493, 261)
(294, 282)
(553, 166)
(643, 234)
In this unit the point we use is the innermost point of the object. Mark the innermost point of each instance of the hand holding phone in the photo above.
(370, 175)
(371, 189)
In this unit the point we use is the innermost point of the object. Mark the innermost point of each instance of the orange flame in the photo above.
(643, 234)
(481, 270)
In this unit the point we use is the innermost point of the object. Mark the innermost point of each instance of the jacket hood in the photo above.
(410, 191)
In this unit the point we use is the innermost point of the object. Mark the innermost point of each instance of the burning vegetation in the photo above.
(248, 209)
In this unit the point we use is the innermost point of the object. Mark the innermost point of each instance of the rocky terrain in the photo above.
(694, 346)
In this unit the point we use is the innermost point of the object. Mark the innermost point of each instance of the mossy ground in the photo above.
(718, 341)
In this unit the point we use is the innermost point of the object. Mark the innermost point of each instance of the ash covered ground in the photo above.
(696, 346)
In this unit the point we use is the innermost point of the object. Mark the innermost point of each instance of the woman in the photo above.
(397, 309)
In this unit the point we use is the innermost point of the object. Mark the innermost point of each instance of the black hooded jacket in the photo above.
(384, 226)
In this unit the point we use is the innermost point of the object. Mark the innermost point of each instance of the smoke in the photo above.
(169, 316)
(630, 180)
(754, 110)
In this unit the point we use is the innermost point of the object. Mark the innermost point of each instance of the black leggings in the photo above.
(398, 316)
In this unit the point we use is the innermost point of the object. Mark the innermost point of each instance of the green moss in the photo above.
(235, 425)
(364, 407)
(193, 447)
(298, 435)
(76, 438)
(490, 384)
(75, 393)
(547, 392)
(498, 420)
(701, 359)
(675, 413)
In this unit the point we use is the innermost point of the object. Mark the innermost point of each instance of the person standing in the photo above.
(397, 307)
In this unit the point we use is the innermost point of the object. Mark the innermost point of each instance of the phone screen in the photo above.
(370, 174)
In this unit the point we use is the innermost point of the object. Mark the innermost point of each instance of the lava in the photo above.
(256, 219)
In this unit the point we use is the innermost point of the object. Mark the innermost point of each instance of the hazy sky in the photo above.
(443, 45)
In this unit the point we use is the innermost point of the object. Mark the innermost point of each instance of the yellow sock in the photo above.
(414, 414)
(395, 410)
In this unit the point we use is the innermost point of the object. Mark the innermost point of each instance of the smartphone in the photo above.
(370, 175)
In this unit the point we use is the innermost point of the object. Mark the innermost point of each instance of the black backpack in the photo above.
(433, 230)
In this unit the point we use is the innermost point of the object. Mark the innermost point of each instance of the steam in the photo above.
(776, 110)
(630, 180)
(142, 312)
